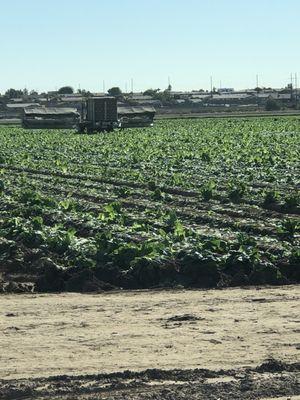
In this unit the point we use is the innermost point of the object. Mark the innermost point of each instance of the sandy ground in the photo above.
(44, 335)
(79, 334)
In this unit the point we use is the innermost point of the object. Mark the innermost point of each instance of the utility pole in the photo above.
(292, 91)
(211, 86)
(257, 91)
(169, 84)
(131, 85)
(103, 86)
(296, 90)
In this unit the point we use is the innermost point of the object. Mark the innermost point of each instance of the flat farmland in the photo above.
(189, 203)
(147, 220)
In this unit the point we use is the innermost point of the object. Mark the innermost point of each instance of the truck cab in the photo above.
(99, 114)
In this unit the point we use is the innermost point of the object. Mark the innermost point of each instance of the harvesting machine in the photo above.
(103, 114)
(98, 114)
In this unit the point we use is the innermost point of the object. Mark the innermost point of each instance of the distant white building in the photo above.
(226, 90)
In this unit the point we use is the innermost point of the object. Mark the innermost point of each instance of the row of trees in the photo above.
(114, 91)
(16, 93)
(157, 94)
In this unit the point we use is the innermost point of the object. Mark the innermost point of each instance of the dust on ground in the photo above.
(194, 344)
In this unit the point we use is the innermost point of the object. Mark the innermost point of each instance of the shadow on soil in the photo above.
(271, 379)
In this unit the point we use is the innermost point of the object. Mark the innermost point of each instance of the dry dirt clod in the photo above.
(184, 317)
(10, 315)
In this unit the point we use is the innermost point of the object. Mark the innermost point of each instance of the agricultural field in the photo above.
(188, 203)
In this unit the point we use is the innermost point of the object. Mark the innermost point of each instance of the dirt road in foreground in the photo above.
(77, 334)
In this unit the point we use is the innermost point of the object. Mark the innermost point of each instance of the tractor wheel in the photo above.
(80, 128)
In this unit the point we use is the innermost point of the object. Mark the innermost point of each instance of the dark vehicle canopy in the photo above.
(50, 112)
(136, 116)
(50, 117)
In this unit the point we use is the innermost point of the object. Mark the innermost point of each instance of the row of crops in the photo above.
(193, 203)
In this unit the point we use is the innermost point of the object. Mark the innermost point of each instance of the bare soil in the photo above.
(178, 114)
(175, 344)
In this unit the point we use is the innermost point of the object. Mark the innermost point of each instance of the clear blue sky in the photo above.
(47, 44)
